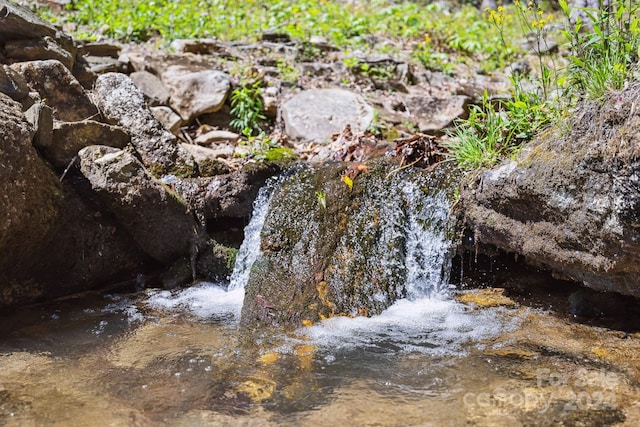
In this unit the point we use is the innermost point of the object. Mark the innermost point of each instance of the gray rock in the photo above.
(317, 114)
(123, 104)
(154, 216)
(39, 49)
(155, 92)
(430, 114)
(196, 93)
(13, 84)
(435, 114)
(105, 64)
(71, 137)
(198, 46)
(570, 203)
(55, 84)
(41, 117)
(201, 154)
(167, 118)
(216, 136)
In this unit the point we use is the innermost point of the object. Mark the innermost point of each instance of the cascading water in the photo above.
(428, 259)
(250, 247)
(398, 231)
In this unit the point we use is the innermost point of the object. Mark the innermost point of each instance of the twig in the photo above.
(401, 168)
(68, 167)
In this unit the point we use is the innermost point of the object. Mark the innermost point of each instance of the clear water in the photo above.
(180, 358)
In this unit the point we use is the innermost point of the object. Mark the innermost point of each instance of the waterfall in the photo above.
(392, 242)
(428, 249)
(250, 247)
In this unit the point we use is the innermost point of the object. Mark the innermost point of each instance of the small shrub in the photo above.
(247, 109)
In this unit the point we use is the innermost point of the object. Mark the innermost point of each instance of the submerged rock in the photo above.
(328, 249)
(570, 203)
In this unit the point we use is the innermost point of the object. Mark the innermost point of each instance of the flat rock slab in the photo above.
(39, 49)
(71, 137)
(316, 114)
(55, 83)
(196, 93)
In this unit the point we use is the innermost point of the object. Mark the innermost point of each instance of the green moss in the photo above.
(279, 154)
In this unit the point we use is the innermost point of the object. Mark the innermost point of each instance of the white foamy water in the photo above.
(205, 300)
(250, 248)
(438, 325)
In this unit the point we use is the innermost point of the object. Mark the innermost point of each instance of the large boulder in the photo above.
(570, 202)
(156, 218)
(316, 114)
(52, 241)
(330, 250)
(122, 103)
(31, 195)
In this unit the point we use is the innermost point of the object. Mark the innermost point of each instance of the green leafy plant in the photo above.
(480, 139)
(603, 59)
(247, 109)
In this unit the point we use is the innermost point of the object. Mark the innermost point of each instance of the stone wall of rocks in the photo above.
(90, 175)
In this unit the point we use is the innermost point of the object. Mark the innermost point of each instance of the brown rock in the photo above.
(39, 49)
(155, 92)
(158, 221)
(55, 83)
(71, 137)
(168, 118)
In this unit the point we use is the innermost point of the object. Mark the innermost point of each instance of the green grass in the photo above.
(600, 59)
(465, 32)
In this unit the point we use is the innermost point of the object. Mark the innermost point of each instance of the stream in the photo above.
(439, 357)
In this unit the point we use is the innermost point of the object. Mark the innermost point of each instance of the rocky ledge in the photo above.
(570, 202)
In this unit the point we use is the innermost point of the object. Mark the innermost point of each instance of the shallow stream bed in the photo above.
(181, 359)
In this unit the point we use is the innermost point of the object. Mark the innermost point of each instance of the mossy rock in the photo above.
(329, 249)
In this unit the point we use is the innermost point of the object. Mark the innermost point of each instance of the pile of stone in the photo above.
(90, 176)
